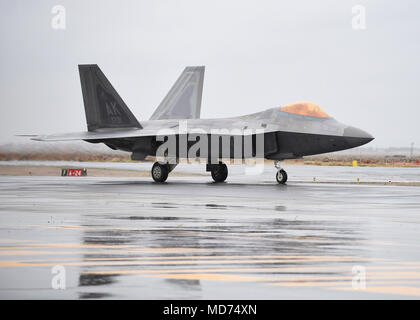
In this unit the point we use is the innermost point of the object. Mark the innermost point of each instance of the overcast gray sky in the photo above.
(258, 55)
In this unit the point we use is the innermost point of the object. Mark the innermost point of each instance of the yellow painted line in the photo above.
(96, 246)
(245, 278)
(406, 263)
(398, 290)
(222, 257)
(40, 253)
(63, 227)
(388, 243)
(125, 249)
(347, 283)
(379, 243)
(205, 274)
(9, 263)
(242, 278)
(9, 240)
(172, 262)
(192, 258)
(212, 277)
(369, 276)
(183, 271)
(312, 284)
(63, 246)
(248, 235)
(75, 252)
(248, 270)
(186, 258)
(131, 271)
(44, 259)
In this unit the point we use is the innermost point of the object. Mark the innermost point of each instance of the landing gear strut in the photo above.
(219, 172)
(281, 175)
(161, 171)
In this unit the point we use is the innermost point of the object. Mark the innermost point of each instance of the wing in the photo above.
(91, 135)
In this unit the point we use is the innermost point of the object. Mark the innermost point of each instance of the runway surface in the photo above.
(249, 238)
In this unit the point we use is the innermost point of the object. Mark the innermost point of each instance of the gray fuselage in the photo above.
(286, 135)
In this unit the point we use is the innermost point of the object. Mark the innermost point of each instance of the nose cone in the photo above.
(356, 137)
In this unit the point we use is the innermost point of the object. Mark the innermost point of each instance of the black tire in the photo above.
(160, 172)
(219, 172)
(281, 176)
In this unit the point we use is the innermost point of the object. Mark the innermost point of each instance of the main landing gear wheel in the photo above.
(219, 172)
(281, 176)
(160, 172)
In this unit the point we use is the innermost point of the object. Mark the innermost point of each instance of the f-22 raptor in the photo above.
(175, 130)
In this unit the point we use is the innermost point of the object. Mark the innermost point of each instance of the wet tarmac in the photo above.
(249, 238)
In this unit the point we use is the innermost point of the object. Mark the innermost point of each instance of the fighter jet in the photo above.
(175, 130)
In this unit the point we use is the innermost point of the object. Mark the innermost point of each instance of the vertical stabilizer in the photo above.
(183, 101)
(104, 107)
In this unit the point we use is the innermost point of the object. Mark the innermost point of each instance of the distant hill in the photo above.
(66, 151)
(30, 147)
(369, 151)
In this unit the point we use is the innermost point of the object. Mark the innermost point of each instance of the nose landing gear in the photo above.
(281, 175)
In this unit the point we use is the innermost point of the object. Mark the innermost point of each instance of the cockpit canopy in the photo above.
(305, 109)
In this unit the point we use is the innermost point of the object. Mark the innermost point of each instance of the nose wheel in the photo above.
(281, 175)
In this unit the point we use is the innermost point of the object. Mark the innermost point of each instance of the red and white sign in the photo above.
(74, 172)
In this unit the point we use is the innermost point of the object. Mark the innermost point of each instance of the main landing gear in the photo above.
(219, 172)
(281, 175)
(161, 171)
